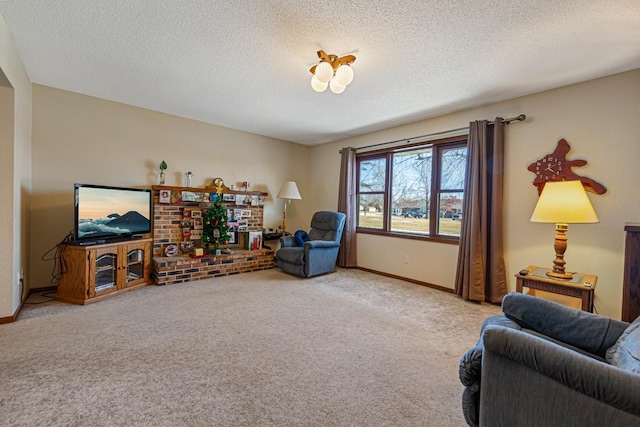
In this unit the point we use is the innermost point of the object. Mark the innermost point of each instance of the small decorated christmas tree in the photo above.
(215, 231)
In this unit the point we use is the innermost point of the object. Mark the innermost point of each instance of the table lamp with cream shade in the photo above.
(290, 192)
(562, 203)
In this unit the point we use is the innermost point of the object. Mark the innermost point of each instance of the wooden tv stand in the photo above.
(95, 272)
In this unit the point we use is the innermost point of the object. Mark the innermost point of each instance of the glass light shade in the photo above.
(336, 87)
(317, 85)
(344, 74)
(324, 71)
(289, 190)
(564, 202)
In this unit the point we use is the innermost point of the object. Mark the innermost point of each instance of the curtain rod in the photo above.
(519, 118)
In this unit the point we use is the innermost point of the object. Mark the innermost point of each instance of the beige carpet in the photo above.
(258, 349)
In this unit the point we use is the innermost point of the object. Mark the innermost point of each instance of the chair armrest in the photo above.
(598, 380)
(587, 331)
(471, 362)
(313, 244)
(470, 369)
(287, 242)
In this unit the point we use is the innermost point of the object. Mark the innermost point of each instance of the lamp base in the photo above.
(284, 218)
(560, 246)
(559, 275)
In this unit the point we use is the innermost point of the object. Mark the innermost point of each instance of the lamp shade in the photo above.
(324, 71)
(289, 191)
(317, 85)
(564, 202)
(344, 74)
(336, 87)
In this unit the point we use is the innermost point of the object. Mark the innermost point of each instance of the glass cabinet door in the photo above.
(135, 271)
(135, 265)
(106, 269)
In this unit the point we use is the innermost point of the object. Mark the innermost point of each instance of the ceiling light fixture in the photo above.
(333, 72)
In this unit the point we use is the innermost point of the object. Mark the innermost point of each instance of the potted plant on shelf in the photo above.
(163, 167)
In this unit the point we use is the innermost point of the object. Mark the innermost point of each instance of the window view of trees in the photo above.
(416, 191)
(411, 190)
(451, 192)
(371, 188)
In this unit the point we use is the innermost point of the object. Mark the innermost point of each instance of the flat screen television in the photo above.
(105, 213)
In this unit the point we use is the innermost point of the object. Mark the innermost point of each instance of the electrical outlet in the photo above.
(406, 259)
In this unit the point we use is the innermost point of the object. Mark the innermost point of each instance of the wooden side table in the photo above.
(581, 286)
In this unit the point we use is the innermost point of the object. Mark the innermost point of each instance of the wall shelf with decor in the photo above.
(179, 213)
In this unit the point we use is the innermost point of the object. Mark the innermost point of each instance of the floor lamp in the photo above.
(562, 203)
(288, 191)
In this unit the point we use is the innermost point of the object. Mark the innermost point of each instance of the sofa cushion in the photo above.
(327, 225)
(587, 331)
(625, 353)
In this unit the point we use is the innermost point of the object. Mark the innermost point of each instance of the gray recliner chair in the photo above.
(315, 253)
(544, 364)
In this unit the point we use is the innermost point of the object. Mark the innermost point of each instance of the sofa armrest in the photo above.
(470, 369)
(320, 257)
(471, 363)
(605, 383)
(287, 242)
(587, 331)
(313, 244)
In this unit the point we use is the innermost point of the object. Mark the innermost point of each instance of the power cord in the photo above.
(55, 275)
(50, 295)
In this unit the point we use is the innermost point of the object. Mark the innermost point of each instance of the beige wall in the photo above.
(600, 121)
(77, 138)
(83, 139)
(15, 174)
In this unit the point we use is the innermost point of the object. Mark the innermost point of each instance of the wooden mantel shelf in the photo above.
(206, 190)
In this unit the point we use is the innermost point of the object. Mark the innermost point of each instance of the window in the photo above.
(415, 191)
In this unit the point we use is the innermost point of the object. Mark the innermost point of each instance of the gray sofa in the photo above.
(316, 252)
(543, 364)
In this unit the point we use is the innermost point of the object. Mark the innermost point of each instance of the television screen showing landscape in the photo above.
(104, 212)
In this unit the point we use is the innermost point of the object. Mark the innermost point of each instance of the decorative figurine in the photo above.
(189, 175)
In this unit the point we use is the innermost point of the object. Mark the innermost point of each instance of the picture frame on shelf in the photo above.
(164, 196)
(188, 196)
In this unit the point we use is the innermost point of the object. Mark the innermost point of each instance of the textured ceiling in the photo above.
(244, 64)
